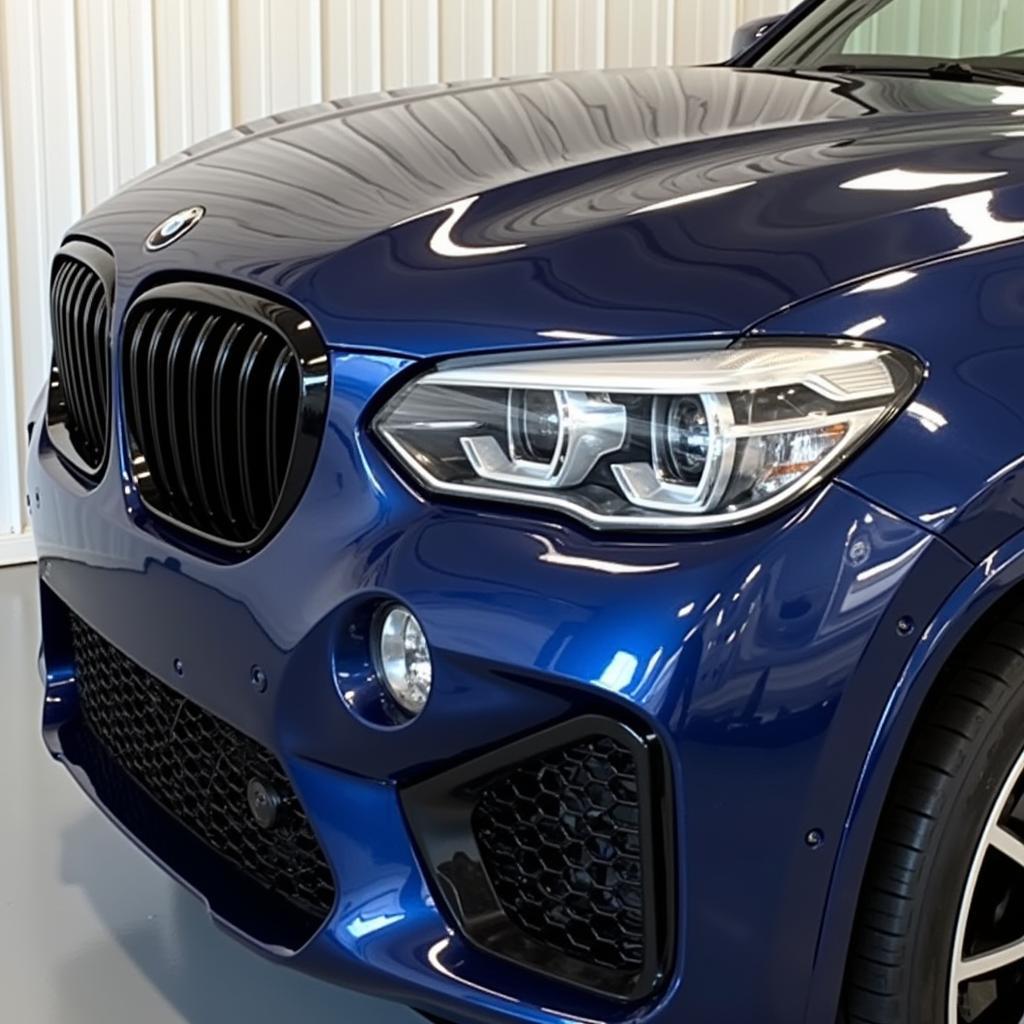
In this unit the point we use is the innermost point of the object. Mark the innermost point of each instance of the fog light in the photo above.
(403, 659)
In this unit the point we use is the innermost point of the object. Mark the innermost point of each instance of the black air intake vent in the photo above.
(225, 396)
(556, 852)
(560, 839)
(78, 409)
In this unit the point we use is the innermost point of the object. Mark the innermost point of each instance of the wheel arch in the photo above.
(996, 581)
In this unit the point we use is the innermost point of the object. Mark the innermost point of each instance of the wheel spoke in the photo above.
(1007, 843)
(987, 963)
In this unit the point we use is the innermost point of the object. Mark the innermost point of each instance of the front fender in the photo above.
(953, 462)
(978, 592)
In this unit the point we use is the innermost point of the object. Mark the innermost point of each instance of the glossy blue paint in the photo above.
(415, 223)
(998, 575)
(742, 652)
(572, 210)
(953, 461)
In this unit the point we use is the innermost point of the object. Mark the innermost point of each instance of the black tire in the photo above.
(967, 741)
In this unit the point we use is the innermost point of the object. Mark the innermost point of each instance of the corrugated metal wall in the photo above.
(94, 91)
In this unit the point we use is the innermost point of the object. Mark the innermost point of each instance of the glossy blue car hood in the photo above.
(633, 204)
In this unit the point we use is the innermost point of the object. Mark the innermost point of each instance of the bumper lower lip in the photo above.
(145, 824)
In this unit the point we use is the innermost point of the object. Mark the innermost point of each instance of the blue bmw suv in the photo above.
(552, 550)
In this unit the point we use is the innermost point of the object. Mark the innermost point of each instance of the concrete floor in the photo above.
(90, 931)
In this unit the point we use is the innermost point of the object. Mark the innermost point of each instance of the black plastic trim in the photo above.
(439, 812)
(299, 333)
(101, 263)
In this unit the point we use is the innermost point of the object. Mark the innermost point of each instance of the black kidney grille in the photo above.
(223, 415)
(78, 412)
(198, 768)
(560, 840)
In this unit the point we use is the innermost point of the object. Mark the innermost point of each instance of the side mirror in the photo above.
(748, 34)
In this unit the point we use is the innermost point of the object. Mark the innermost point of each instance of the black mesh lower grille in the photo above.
(560, 839)
(198, 769)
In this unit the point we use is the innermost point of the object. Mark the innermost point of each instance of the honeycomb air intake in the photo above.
(556, 852)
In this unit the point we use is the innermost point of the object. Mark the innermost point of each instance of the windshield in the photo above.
(898, 34)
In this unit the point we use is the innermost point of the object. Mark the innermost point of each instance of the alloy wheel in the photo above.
(987, 971)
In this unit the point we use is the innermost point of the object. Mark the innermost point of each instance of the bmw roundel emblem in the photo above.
(174, 227)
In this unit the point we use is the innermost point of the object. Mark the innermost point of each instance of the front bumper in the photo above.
(759, 660)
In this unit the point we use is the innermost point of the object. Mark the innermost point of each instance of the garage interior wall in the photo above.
(95, 91)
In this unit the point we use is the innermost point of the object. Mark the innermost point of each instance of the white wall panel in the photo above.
(43, 194)
(580, 34)
(747, 10)
(701, 28)
(639, 35)
(275, 54)
(10, 426)
(523, 33)
(192, 48)
(351, 47)
(466, 39)
(409, 42)
(92, 91)
(115, 70)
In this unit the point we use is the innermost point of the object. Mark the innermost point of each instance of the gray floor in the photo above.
(90, 931)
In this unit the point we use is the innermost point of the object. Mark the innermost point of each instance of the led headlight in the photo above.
(664, 437)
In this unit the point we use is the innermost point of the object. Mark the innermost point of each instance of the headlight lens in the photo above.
(687, 438)
(662, 438)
